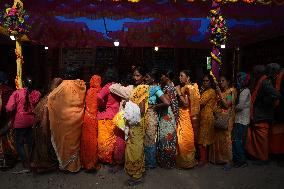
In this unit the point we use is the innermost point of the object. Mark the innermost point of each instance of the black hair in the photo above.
(168, 73)
(272, 69)
(141, 69)
(226, 77)
(111, 75)
(126, 79)
(211, 79)
(187, 73)
(28, 84)
(155, 75)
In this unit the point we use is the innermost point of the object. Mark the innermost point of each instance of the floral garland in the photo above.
(217, 28)
(14, 19)
(249, 1)
(218, 37)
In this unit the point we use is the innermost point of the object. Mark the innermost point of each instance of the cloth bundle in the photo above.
(130, 114)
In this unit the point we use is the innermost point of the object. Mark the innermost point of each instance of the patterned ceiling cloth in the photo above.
(164, 23)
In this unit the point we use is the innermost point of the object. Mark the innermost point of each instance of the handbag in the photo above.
(221, 119)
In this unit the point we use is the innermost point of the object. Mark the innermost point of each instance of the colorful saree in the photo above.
(185, 137)
(151, 127)
(166, 138)
(134, 151)
(89, 141)
(66, 111)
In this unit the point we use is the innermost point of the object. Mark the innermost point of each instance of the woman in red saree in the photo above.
(89, 138)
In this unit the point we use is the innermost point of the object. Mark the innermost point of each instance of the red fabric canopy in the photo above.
(68, 23)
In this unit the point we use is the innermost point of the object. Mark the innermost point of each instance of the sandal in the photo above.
(22, 171)
(134, 182)
(227, 168)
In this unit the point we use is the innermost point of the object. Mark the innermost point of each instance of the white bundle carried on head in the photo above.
(132, 113)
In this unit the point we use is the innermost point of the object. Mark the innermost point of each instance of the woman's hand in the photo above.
(178, 90)
(218, 90)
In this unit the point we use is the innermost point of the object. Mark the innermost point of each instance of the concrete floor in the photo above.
(269, 176)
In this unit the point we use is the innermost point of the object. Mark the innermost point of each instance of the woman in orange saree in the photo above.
(185, 149)
(89, 141)
(66, 111)
(221, 150)
(263, 99)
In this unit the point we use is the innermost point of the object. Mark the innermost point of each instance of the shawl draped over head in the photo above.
(89, 137)
(95, 82)
(91, 97)
(272, 69)
(66, 111)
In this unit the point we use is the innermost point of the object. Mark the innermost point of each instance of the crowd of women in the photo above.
(179, 125)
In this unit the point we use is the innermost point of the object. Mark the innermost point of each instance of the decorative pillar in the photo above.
(218, 31)
(19, 61)
(13, 20)
(18, 52)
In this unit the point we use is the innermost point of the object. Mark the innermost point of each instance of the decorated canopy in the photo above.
(146, 23)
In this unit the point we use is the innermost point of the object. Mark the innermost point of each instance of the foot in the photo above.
(240, 164)
(134, 182)
(115, 169)
(260, 162)
(227, 167)
(22, 171)
(92, 171)
(201, 164)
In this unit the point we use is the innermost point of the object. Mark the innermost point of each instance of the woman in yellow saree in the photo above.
(221, 150)
(185, 149)
(134, 152)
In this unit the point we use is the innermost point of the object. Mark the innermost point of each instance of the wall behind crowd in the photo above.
(262, 53)
(43, 65)
(35, 64)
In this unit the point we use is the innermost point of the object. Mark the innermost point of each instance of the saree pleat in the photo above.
(185, 150)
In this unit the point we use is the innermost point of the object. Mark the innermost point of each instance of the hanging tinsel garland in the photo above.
(13, 20)
(218, 37)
